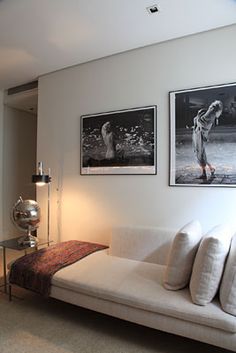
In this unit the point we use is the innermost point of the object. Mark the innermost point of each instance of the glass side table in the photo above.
(14, 245)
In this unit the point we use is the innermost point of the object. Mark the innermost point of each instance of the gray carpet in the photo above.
(31, 324)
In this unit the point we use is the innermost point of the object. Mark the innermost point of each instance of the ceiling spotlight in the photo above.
(152, 9)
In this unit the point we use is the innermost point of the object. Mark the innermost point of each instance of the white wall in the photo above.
(1, 160)
(87, 206)
(19, 160)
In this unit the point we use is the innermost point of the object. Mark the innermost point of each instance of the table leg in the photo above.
(4, 269)
(10, 296)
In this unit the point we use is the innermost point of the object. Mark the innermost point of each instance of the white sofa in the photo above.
(125, 281)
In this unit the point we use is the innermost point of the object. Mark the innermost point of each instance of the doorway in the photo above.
(19, 150)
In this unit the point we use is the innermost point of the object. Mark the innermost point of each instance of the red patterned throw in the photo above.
(34, 271)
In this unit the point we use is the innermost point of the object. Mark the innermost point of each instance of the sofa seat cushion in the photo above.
(138, 284)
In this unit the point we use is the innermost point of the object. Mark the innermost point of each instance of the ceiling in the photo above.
(41, 36)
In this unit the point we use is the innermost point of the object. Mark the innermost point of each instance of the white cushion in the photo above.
(209, 264)
(181, 257)
(228, 285)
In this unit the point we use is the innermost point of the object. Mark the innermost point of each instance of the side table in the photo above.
(14, 245)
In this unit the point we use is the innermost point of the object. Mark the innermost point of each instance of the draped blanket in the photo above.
(34, 271)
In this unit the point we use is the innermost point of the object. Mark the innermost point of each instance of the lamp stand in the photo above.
(48, 225)
(42, 179)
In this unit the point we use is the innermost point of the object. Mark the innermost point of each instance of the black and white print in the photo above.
(119, 142)
(203, 136)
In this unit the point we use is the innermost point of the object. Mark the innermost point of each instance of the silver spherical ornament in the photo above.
(26, 217)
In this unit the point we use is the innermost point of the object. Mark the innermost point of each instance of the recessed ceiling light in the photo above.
(152, 9)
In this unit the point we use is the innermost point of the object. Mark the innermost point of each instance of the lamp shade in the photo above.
(41, 179)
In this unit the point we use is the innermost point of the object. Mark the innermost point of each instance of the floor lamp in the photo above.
(42, 179)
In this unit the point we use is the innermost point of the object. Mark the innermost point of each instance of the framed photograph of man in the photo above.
(203, 136)
(119, 142)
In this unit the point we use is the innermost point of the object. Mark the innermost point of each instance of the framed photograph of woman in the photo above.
(119, 142)
(203, 136)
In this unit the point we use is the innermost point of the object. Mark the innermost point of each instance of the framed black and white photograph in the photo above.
(203, 136)
(119, 142)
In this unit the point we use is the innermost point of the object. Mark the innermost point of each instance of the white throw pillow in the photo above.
(228, 284)
(209, 264)
(181, 256)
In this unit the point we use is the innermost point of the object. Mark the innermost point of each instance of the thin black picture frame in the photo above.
(217, 146)
(120, 142)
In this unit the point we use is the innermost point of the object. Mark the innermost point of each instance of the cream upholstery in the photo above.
(181, 256)
(137, 284)
(141, 244)
(228, 285)
(157, 321)
(209, 264)
(131, 289)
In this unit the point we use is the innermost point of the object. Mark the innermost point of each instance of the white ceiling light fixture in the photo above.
(154, 9)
